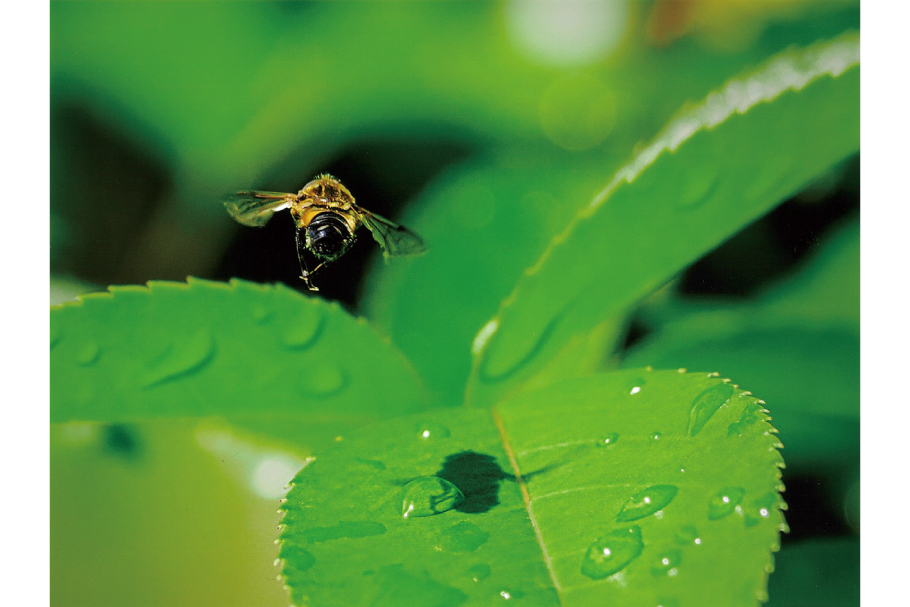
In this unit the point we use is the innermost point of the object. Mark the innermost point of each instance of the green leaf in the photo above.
(485, 222)
(818, 572)
(714, 169)
(638, 462)
(240, 350)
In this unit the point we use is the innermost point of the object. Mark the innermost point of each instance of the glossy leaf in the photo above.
(694, 186)
(595, 491)
(238, 350)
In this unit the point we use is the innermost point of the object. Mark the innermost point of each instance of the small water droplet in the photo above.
(688, 535)
(344, 529)
(480, 571)
(751, 415)
(647, 502)
(724, 502)
(303, 331)
(185, 356)
(706, 404)
(432, 431)
(509, 594)
(762, 508)
(608, 440)
(321, 381)
(635, 390)
(655, 436)
(88, 354)
(460, 537)
(612, 552)
(667, 563)
(429, 495)
(372, 463)
(697, 189)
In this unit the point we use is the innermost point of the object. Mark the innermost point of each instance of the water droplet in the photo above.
(655, 436)
(344, 529)
(762, 508)
(480, 571)
(612, 552)
(88, 354)
(706, 404)
(635, 390)
(634, 386)
(429, 495)
(724, 502)
(295, 558)
(261, 314)
(608, 440)
(688, 535)
(461, 537)
(667, 563)
(321, 381)
(647, 502)
(751, 415)
(432, 431)
(509, 594)
(303, 331)
(697, 189)
(372, 463)
(185, 356)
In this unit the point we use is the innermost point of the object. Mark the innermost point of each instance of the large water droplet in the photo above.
(321, 381)
(432, 431)
(647, 502)
(724, 502)
(478, 572)
(185, 356)
(429, 495)
(608, 440)
(706, 404)
(611, 553)
(303, 331)
(88, 354)
(667, 563)
(461, 537)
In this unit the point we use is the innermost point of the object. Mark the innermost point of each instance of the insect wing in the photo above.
(256, 208)
(394, 239)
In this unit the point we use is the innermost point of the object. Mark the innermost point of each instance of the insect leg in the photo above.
(304, 272)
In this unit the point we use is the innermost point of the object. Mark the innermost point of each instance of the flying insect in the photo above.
(327, 219)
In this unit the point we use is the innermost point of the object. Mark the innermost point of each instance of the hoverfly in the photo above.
(327, 219)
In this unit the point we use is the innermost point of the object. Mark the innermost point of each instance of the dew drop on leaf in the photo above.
(612, 552)
(321, 381)
(88, 354)
(301, 332)
(647, 502)
(432, 431)
(655, 436)
(188, 355)
(751, 415)
(260, 314)
(478, 572)
(667, 563)
(608, 440)
(724, 502)
(461, 537)
(706, 404)
(687, 535)
(429, 495)
(761, 509)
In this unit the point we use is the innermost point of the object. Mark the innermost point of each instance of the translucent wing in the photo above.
(256, 208)
(394, 239)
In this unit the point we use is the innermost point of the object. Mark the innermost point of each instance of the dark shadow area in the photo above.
(811, 513)
(478, 476)
(770, 247)
(122, 441)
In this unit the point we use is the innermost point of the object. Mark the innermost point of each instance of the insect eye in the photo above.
(328, 236)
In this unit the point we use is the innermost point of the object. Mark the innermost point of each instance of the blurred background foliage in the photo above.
(482, 125)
